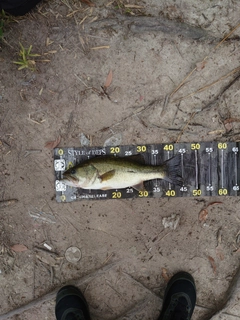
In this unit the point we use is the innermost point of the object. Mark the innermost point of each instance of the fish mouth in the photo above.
(70, 178)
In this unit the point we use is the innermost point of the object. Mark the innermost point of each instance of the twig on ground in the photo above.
(7, 203)
(165, 105)
(185, 127)
(35, 121)
(210, 104)
(149, 106)
(38, 214)
(80, 37)
(227, 36)
(100, 93)
(101, 47)
(204, 59)
(209, 85)
(30, 151)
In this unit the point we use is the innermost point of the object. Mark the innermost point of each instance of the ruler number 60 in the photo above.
(222, 145)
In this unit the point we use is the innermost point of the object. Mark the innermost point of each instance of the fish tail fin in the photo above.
(173, 170)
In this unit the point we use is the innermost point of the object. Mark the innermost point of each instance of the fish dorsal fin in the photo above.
(136, 158)
(107, 175)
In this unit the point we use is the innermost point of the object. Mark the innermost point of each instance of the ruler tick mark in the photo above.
(222, 168)
(196, 168)
(168, 157)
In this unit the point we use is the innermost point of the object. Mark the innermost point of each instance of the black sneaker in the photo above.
(18, 7)
(180, 298)
(71, 304)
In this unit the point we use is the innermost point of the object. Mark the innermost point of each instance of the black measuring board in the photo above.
(207, 169)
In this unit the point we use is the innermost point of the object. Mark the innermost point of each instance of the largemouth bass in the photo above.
(104, 173)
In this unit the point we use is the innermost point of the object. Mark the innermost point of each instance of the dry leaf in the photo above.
(201, 65)
(230, 120)
(213, 264)
(228, 126)
(53, 144)
(203, 214)
(219, 252)
(214, 202)
(89, 3)
(19, 248)
(165, 275)
(108, 80)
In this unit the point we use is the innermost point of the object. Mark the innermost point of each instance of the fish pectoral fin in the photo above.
(139, 186)
(107, 175)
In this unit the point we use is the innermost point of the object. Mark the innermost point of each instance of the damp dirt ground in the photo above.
(172, 80)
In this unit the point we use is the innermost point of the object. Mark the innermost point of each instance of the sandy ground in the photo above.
(127, 254)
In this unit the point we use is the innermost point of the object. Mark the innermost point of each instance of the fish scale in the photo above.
(207, 169)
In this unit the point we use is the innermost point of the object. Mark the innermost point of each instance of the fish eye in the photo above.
(73, 171)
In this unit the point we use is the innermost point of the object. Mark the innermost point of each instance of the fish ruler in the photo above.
(207, 169)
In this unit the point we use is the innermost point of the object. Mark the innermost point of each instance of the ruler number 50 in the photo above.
(195, 146)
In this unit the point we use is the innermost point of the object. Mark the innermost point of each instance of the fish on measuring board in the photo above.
(106, 173)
